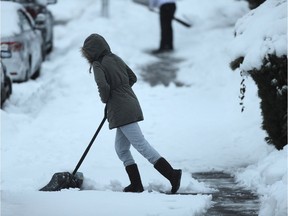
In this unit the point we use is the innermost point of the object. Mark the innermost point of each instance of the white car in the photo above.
(38, 9)
(22, 44)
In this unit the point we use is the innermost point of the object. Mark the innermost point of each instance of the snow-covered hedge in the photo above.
(260, 50)
(261, 32)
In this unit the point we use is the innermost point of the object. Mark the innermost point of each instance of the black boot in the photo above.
(174, 176)
(135, 179)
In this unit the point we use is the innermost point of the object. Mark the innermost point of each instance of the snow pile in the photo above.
(261, 32)
(269, 176)
(219, 14)
(104, 203)
(12, 27)
(65, 11)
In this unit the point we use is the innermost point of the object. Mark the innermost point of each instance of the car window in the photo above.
(24, 21)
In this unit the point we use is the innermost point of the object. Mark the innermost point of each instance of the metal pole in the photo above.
(105, 8)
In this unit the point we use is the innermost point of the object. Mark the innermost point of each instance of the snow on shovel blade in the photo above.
(64, 180)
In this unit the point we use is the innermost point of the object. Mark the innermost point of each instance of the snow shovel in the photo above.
(146, 3)
(65, 180)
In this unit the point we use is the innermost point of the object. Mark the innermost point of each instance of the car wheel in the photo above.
(36, 74)
(50, 49)
(9, 85)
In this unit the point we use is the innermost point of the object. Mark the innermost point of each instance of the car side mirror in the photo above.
(40, 21)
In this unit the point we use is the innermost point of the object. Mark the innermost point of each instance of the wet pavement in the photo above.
(163, 71)
(230, 199)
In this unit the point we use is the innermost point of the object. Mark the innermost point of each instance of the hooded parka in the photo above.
(114, 80)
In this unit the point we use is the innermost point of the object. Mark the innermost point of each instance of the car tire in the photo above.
(50, 49)
(36, 74)
(8, 83)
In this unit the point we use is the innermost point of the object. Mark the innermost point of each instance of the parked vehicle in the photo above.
(6, 84)
(42, 16)
(21, 42)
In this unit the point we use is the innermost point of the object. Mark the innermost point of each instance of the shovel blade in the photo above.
(64, 180)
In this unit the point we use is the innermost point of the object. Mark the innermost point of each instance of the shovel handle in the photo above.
(91, 142)
(144, 3)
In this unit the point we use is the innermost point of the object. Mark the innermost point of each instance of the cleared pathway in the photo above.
(230, 199)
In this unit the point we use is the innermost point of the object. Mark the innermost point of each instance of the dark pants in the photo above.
(167, 12)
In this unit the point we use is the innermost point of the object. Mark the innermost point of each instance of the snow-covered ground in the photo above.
(47, 123)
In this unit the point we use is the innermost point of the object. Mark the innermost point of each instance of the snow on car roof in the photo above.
(9, 19)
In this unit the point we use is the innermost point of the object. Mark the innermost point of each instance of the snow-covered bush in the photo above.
(260, 50)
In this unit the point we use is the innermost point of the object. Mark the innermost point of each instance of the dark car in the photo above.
(42, 16)
(6, 84)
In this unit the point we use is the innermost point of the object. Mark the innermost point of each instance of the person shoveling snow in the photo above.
(115, 80)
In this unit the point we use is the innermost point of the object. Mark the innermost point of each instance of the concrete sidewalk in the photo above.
(230, 198)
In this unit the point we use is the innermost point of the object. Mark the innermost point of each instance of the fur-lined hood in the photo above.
(95, 47)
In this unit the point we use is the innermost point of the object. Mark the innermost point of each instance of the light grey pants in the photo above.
(132, 134)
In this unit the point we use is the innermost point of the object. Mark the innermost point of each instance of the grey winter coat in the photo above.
(114, 80)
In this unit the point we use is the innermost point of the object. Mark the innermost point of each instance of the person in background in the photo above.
(167, 10)
(115, 80)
